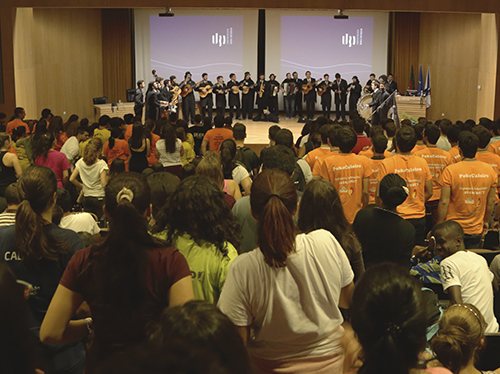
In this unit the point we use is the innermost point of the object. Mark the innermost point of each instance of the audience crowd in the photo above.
(131, 247)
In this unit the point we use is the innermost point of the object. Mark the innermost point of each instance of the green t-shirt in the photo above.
(208, 265)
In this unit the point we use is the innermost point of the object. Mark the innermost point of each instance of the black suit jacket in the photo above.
(139, 97)
(377, 99)
(342, 87)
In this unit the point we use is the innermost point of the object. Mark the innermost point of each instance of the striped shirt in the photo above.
(7, 218)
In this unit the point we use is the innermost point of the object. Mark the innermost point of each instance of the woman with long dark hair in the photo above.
(46, 155)
(116, 147)
(140, 149)
(233, 169)
(127, 280)
(169, 150)
(57, 129)
(320, 208)
(10, 168)
(289, 289)
(197, 221)
(38, 251)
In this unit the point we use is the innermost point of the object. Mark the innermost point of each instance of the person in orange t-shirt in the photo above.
(128, 132)
(419, 133)
(415, 171)
(19, 113)
(468, 192)
(492, 159)
(116, 147)
(214, 137)
(379, 145)
(334, 150)
(324, 149)
(349, 174)
(375, 130)
(452, 135)
(495, 148)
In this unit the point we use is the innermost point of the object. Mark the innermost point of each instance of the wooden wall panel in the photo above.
(451, 44)
(117, 53)
(68, 60)
(405, 50)
(7, 17)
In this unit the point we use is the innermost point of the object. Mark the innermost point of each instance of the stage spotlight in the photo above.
(168, 13)
(341, 15)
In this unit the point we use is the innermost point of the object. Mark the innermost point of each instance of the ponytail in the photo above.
(274, 203)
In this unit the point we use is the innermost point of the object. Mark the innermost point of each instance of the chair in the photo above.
(130, 95)
(100, 100)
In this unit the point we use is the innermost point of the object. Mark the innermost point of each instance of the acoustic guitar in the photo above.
(322, 88)
(306, 88)
(188, 88)
(205, 91)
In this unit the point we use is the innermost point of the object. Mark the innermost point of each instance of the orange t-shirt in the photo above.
(60, 142)
(495, 147)
(438, 160)
(152, 158)
(375, 166)
(15, 124)
(319, 162)
(455, 153)
(418, 148)
(369, 153)
(346, 171)
(216, 136)
(470, 182)
(415, 171)
(119, 150)
(128, 133)
(315, 154)
(493, 160)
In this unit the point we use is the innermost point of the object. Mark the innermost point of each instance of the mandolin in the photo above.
(246, 89)
(205, 91)
(306, 88)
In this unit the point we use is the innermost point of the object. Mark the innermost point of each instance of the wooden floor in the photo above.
(257, 132)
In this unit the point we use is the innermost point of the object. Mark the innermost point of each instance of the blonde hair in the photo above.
(210, 166)
(92, 151)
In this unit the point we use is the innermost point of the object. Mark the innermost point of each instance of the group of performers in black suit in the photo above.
(165, 94)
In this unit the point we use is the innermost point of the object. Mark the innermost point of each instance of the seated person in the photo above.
(77, 222)
(8, 217)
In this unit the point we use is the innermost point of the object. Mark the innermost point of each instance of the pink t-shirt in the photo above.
(58, 162)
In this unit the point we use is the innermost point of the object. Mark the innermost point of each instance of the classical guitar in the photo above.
(307, 87)
(322, 89)
(205, 91)
(188, 88)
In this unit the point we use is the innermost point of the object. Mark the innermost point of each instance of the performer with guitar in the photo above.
(188, 109)
(298, 95)
(272, 89)
(288, 86)
(325, 91)
(234, 96)
(261, 98)
(248, 96)
(220, 95)
(309, 90)
(206, 98)
(340, 88)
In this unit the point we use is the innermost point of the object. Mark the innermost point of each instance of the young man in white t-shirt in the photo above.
(464, 274)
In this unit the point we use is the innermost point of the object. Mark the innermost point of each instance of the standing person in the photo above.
(272, 89)
(38, 251)
(153, 103)
(298, 95)
(206, 102)
(415, 171)
(10, 169)
(214, 137)
(377, 100)
(220, 96)
(349, 174)
(19, 115)
(147, 278)
(464, 274)
(188, 107)
(198, 222)
(139, 149)
(71, 147)
(102, 132)
(368, 87)
(116, 147)
(320, 208)
(46, 155)
(340, 88)
(310, 97)
(253, 296)
(169, 150)
(94, 175)
(247, 97)
(234, 97)
(354, 90)
(260, 97)
(326, 96)
(468, 192)
(139, 98)
(392, 86)
(288, 86)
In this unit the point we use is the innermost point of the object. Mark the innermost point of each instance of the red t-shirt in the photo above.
(363, 142)
(58, 162)
(117, 329)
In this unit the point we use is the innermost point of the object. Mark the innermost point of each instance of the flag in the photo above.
(428, 87)
(412, 80)
(420, 89)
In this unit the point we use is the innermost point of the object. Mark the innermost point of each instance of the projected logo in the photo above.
(353, 40)
(223, 39)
